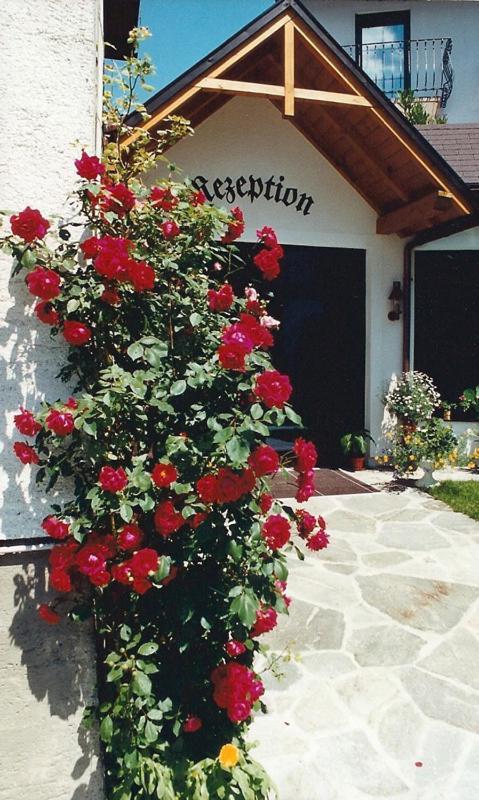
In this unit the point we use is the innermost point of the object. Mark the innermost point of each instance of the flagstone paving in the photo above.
(380, 696)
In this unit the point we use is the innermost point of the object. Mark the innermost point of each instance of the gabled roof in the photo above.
(458, 144)
(286, 56)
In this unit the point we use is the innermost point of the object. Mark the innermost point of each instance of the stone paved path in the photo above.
(384, 631)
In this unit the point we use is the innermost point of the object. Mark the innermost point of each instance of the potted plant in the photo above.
(447, 410)
(429, 447)
(354, 446)
(412, 399)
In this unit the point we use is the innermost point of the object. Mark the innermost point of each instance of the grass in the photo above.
(461, 496)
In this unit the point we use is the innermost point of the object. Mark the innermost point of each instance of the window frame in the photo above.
(383, 19)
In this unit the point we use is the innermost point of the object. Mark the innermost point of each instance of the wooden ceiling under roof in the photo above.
(301, 70)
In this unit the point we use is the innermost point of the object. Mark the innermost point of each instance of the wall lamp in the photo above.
(395, 298)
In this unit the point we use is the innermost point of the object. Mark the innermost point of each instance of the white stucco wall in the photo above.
(249, 136)
(429, 19)
(49, 110)
(51, 51)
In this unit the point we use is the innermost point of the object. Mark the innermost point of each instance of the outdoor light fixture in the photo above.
(395, 299)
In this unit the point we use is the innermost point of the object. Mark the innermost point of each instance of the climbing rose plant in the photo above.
(172, 540)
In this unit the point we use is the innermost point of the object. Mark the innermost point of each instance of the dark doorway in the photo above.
(320, 300)
(446, 327)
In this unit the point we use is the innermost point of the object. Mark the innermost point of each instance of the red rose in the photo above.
(113, 255)
(198, 198)
(167, 519)
(55, 527)
(76, 333)
(258, 333)
(90, 561)
(119, 199)
(164, 474)
(266, 620)
(267, 263)
(46, 313)
(306, 455)
(207, 488)
(232, 356)
(62, 556)
(232, 485)
(305, 485)
(192, 724)
(264, 460)
(144, 563)
(60, 580)
(236, 689)
(265, 502)
(280, 587)
(25, 453)
(44, 283)
(163, 198)
(104, 543)
(321, 522)
(235, 648)
(26, 423)
(110, 296)
(29, 225)
(141, 275)
(60, 422)
(113, 480)
(273, 389)
(90, 247)
(238, 334)
(71, 403)
(267, 236)
(197, 519)
(122, 573)
(222, 299)
(254, 307)
(318, 541)
(89, 167)
(306, 522)
(48, 615)
(130, 536)
(276, 531)
(141, 585)
(170, 229)
(235, 226)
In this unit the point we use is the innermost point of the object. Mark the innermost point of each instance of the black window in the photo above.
(382, 49)
(446, 321)
(119, 17)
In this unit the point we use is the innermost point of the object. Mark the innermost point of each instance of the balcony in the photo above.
(422, 65)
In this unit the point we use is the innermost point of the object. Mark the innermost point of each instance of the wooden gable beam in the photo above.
(412, 215)
(289, 69)
(274, 90)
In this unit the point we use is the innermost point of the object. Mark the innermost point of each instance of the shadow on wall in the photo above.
(29, 363)
(60, 668)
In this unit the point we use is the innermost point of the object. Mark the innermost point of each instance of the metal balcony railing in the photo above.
(422, 65)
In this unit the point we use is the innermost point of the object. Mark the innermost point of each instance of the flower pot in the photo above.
(356, 463)
(427, 479)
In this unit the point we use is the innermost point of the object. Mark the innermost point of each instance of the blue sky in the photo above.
(186, 30)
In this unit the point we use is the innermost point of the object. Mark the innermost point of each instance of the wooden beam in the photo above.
(415, 213)
(320, 96)
(240, 87)
(173, 104)
(361, 148)
(289, 91)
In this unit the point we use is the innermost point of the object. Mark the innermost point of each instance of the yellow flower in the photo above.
(229, 755)
(385, 459)
(471, 465)
(412, 458)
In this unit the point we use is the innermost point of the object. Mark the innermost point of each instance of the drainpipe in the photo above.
(432, 235)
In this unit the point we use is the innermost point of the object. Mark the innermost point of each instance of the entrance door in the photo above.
(320, 300)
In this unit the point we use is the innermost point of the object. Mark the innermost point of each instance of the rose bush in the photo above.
(171, 541)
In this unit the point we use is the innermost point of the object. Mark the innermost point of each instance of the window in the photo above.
(382, 49)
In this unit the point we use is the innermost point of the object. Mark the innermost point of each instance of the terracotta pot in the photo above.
(356, 463)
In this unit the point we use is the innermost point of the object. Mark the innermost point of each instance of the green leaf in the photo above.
(205, 624)
(235, 550)
(245, 607)
(28, 259)
(135, 351)
(106, 728)
(237, 449)
(178, 387)
(150, 732)
(148, 649)
(292, 415)
(72, 305)
(155, 714)
(163, 569)
(141, 684)
(195, 319)
(256, 411)
(155, 354)
(126, 512)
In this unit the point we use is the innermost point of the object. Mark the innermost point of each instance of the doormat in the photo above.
(326, 482)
